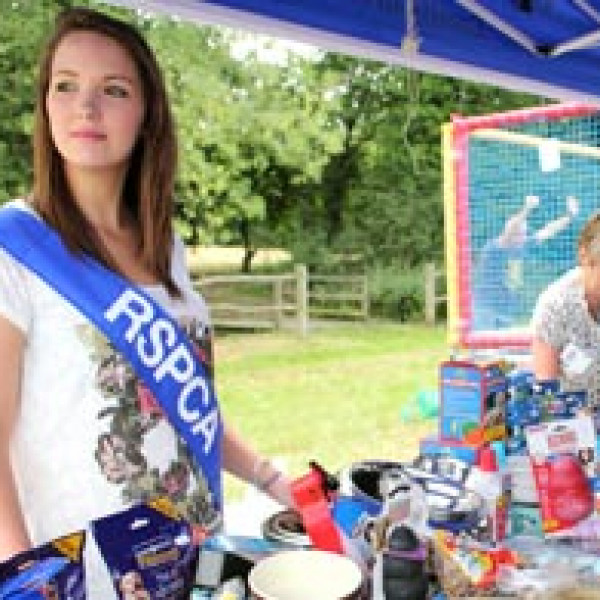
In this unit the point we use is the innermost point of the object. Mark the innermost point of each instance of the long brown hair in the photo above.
(588, 243)
(148, 188)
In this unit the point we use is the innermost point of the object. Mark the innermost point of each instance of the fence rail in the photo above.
(287, 300)
(344, 296)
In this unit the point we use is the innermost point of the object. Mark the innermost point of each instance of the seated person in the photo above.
(565, 329)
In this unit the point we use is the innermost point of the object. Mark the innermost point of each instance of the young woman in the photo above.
(81, 434)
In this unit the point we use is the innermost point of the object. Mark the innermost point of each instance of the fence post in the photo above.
(278, 302)
(302, 298)
(430, 293)
(365, 298)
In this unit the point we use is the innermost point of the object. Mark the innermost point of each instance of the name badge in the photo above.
(576, 361)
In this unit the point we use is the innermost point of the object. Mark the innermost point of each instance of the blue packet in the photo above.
(520, 384)
(149, 551)
(52, 570)
(253, 548)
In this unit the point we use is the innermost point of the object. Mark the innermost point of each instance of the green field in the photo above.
(335, 396)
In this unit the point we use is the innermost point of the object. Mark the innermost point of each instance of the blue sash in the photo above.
(159, 351)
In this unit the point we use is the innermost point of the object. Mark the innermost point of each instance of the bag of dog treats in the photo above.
(149, 551)
(51, 571)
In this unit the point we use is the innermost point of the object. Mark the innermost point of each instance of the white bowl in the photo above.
(305, 574)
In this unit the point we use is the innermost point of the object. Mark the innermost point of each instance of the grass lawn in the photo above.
(335, 396)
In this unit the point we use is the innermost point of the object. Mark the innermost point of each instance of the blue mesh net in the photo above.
(512, 259)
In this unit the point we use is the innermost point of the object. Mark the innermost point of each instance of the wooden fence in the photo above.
(291, 299)
(283, 301)
(338, 296)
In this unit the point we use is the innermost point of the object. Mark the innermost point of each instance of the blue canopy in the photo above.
(545, 47)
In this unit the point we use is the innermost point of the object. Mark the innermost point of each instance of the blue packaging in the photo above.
(533, 414)
(473, 395)
(516, 445)
(432, 445)
(53, 570)
(545, 387)
(520, 384)
(523, 412)
(545, 394)
(575, 401)
(518, 412)
(348, 512)
(149, 551)
(252, 547)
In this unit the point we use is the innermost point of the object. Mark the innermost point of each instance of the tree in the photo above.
(24, 23)
(254, 135)
(382, 193)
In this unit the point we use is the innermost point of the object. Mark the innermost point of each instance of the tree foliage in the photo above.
(395, 208)
(23, 27)
(322, 155)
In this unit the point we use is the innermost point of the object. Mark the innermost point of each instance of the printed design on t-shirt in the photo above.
(134, 420)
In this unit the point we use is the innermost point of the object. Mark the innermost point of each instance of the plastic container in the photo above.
(305, 575)
(486, 480)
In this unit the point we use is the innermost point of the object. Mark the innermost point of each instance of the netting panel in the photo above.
(514, 252)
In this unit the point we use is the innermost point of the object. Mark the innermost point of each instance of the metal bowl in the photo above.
(286, 527)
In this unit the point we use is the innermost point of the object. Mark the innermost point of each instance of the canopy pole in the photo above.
(590, 11)
(410, 43)
(495, 21)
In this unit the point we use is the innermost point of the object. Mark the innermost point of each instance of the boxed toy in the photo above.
(472, 401)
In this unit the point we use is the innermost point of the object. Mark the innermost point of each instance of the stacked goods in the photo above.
(531, 453)
(540, 414)
(473, 398)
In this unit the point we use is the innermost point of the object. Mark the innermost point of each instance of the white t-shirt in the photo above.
(561, 318)
(90, 440)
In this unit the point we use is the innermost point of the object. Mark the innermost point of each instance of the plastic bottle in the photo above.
(486, 480)
(506, 479)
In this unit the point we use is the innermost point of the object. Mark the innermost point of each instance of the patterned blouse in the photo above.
(561, 317)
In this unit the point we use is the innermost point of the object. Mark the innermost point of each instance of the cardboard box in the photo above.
(472, 401)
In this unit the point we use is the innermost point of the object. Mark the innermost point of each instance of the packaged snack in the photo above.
(54, 570)
(149, 551)
(466, 568)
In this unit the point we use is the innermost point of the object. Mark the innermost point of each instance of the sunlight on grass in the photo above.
(208, 259)
(334, 396)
